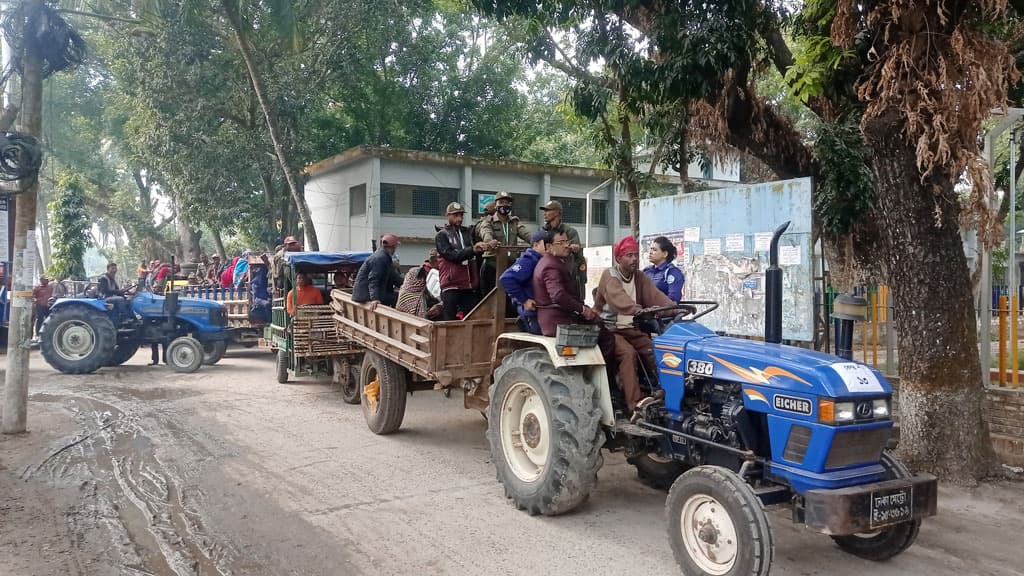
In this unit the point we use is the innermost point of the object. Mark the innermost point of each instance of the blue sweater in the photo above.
(668, 278)
(518, 279)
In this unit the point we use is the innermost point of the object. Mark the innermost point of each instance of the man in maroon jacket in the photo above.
(457, 263)
(555, 291)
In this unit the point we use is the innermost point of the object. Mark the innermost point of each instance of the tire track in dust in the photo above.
(153, 525)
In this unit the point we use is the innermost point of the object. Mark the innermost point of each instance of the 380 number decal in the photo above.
(700, 367)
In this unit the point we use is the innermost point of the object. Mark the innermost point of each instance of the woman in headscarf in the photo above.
(414, 297)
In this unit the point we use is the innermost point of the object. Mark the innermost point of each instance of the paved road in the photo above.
(226, 472)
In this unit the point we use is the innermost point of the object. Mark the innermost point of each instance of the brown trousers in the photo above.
(631, 343)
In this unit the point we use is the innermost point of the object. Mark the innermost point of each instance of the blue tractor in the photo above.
(82, 335)
(743, 425)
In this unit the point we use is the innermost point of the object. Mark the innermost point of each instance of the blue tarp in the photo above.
(325, 258)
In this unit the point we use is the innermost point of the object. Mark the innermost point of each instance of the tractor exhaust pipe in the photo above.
(773, 291)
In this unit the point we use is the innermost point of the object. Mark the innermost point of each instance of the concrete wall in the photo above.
(330, 205)
(1004, 412)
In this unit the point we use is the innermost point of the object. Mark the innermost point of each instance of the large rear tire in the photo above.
(544, 430)
(890, 541)
(123, 352)
(384, 386)
(213, 352)
(717, 525)
(77, 339)
(185, 354)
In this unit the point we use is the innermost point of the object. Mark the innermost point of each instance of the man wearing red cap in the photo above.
(621, 293)
(377, 279)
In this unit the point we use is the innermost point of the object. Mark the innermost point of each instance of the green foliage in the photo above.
(70, 232)
(845, 190)
(814, 66)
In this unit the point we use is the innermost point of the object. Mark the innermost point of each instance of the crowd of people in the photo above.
(546, 285)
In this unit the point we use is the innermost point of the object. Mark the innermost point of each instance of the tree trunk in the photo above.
(633, 192)
(188, 238)
(244, 46)
(941, 391)
(219, 243)
(269, 193)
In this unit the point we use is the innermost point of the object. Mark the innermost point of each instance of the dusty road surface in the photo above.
(140, 471)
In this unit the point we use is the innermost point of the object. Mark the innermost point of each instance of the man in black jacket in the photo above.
(377, 281)
(457, 263)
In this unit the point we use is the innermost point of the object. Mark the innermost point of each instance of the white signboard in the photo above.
(28, 262)
(857, 377)
(712, 246)
(734, 243)
(691, 234)
(789, 255)
(762, 241)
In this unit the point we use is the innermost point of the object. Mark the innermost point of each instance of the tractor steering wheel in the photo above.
(690, 310)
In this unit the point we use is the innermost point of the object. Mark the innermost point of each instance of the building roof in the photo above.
(363, 152)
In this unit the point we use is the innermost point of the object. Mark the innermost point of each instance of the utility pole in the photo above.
(15, 409)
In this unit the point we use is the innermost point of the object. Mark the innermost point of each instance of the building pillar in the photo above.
(466, 192)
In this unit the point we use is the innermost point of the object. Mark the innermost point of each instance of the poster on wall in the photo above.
(4, 230)
(599, 259)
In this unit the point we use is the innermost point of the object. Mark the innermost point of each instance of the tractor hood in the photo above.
(147, 304)
(785, 367)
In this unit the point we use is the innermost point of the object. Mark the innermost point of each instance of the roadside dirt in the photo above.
(140, 471)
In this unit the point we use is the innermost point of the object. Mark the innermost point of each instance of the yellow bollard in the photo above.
(864, 343)
(1002, 340)
(874, 329)
(1014, 309)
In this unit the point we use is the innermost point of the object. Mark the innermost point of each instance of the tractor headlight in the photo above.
(832, 412)
(881, 408)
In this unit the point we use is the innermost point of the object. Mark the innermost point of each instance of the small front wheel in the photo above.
(886, 542)
(213, 352)
(282, 366)
(185, 354)
(717, 525)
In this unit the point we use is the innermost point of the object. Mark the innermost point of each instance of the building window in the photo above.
(523, 205)
(574, 210)
(405, 200)
(599, 212)
(357, 200)
(387, 199)
(624, 214)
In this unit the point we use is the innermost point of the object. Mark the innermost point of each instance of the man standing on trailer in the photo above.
(507, 230)
(621, 293)
(457, 266)
(575, 262)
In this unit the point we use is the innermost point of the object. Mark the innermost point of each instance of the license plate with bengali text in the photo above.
(892, 506)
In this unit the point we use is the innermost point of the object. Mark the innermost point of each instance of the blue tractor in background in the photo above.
(82, 335)
(743, 425)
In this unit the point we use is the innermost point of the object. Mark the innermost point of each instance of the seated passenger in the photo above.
(518, 281)
(621, 293)
(414, 297)
(304, 294)
(377, 278)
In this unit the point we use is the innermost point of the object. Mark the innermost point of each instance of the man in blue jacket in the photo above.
(518, 281)
(377, 281)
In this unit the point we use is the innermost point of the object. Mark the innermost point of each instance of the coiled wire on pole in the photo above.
(20, 158)
(60, 46)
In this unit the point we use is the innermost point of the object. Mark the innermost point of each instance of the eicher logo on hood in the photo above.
(792, 404)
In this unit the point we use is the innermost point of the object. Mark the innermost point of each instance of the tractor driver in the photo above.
(621, 293)
(108, 289)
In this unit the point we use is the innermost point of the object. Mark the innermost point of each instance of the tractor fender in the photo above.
(589, 360)
(97, 303)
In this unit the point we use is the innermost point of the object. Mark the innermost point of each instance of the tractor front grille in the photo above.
(796, 446)
(218, 317)
(851, 447)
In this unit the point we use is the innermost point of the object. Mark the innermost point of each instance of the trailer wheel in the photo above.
(213, 352)
(185, 354)
(544, 430)
(657, 471)
(282, 366)
(383, 386)
(888, 542)
(346, 375)
(77, 340)
(717, 525)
